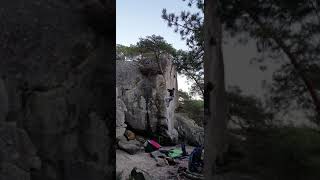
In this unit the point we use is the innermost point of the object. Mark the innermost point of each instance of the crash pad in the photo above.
(155, 144)
(151, 146)
(174, 153)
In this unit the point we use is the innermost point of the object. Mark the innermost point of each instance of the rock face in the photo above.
(58, 66)
(120, 117)
(189, 130)
(146, 94)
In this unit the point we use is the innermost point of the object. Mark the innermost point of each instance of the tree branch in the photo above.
(292, 58)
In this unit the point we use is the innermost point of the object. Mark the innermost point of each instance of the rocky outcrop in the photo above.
(58, 66)
(188, 130)
(149, 96)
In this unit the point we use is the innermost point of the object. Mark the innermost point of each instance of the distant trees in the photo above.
(287, 31)
(126, 52)
(156, 45)
(152, 46)
(244, 111)
(189, 26)
(193, 108)
(192, 68)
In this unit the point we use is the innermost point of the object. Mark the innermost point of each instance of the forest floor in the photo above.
(142, 160)
(278, 153)
(266, 154)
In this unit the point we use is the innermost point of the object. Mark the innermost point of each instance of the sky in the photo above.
(141, 18)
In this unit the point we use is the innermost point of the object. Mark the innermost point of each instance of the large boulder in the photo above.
(189, 130)
(146, 93)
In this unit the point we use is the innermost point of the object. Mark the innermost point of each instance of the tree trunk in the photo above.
(215, 95)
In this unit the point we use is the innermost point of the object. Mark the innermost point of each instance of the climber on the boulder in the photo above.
(171, 92)
(171, 96)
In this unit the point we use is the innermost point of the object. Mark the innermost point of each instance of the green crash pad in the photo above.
(174, 153)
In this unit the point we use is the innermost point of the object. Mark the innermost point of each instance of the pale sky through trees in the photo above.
(141, 18)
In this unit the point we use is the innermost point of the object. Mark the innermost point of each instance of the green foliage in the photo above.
(192, 67)
(247, 111)
(150, 45)
(155, 45)
(282, 30)
(191, 107)
(189, 26)
(126, 52)
(285, 32)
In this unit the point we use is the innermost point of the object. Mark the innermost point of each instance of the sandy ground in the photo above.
(126, 162)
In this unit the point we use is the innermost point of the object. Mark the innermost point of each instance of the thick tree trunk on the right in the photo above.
(215, 95)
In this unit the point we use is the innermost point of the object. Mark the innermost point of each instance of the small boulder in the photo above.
(130, 135)
(122, 138)
(141, 139)
(131, 147)
(138, 174)
(189, 130)
(162, 162)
